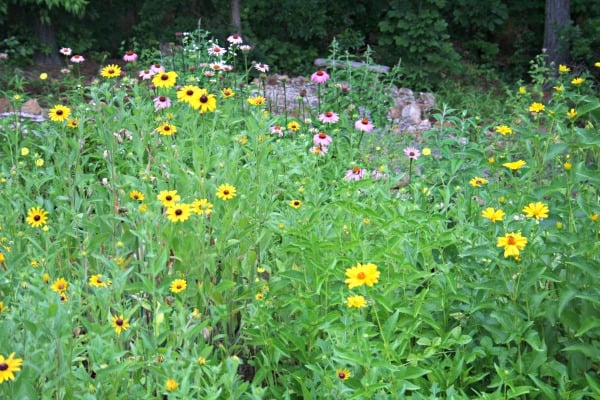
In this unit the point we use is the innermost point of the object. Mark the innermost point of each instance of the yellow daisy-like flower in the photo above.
(515, 165)
(98, 281)
(357, 301)
(259, 296)
(536, 107)
(563, 69)
(493, 215)
(559, 89)
(120, 323)
(567, 165)
(343, 374)
(59, 113)
(202, 206)
(168, 198)
(178, 285)
(8, 367)
(205, 101)
(166, 129)
(512, 243)
(577, 81)
(2, 308)
(226, 192)
(136, 195)
(597, 64)
(522, 90)
(478, 182)
(294, 126)
(362, 274)
(189, 94)
(165, 79)
(227, 92)
(39, 162)
(171, 385)
(60, 285)
(504, 130)
(179, 212)
(2, 257)
(37, 217)
(295, 203)
(572, 113)
(73, 123)
(111, 71)
(257, 100)
(201, 360)
(594, 217)
(426, 151)
(24, 151)
(537, 210)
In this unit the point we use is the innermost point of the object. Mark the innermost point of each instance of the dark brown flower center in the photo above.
(329, 114)
(156, 65)
(178, 287)
(296, 203)
(169, 197)
(226, 192)
(130, 53)
(60, 286)
(341, 375)
(59, 112)
(322, 135)
(320, 73)
(119, 322)
(162, 98)
(37, 217)
(3, 366)
(167, 128)
(189, 92)
(179, 211)
(164, 77)
(111, 71)
(203, 98)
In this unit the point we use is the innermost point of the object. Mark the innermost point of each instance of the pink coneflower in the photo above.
(146, 74)
(319, 76)
(216, 50)
(412, 153)
(227, 67)
(209, 74)
(218, 66)
(235, 39)
(322, 138)
(130, 56)
(65, 51)
(377, 174)
(65, 71)
(364, 125)
(276, 129)
(319, 150)
(245, 48)
(261, 67)
(77, 59)
(161, 102)
(3, 56)
(329, 117)
(156, 68)
(355, 174)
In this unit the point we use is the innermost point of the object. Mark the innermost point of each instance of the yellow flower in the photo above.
(343, 374)
(204, 101)
(111, 71)
(226, 192)
(201, 360)
(493, 215)
(98, 281)
(136, 195)
(294, 126)
(202, 206)
(357, 301)
(165, 79)
(477, 181)
(594, 217)
(168, 197)
(515, 165)
(171, 385)
(60, 285)
(259, 296)
(24, 151)
(572, 113)
(179, 212)
(512, 243)
(577, 81)
(227, 92)
(536, 107)
(491, 160)
(189, 94)
(166, 129)
(59, 113)
(143, 208)
(45, 278)
(522, 90)
(597, 64)
(8, 366)
(119, 323)
(559, 89)
(538, 210)
(504, 130)
(73, 123)
(295, 203)
(362, 274)
(39, 162)
(43, 76)
(178, 285)
(426, 151)
(563, 69)
(37, 217)
(2, 308)
(567, 166)
(257, 100)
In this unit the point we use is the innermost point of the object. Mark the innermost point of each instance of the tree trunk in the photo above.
(556, 23)
(236, 20)
(46, 37)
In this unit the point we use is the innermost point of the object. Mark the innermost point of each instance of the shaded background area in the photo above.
(434, 40)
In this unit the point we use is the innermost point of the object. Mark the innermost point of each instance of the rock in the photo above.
(323, 62)
(31, 107)
(5, 105)
(412, 113)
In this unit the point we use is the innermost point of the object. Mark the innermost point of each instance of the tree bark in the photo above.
(556, 22)
(47, 38)
(236, 20)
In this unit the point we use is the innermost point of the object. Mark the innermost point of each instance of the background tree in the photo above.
(557, 22)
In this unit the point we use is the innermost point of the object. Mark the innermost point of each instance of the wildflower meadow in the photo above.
(166, 234)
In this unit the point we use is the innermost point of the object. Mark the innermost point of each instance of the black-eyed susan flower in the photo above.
(293, 126)
(171, 385)
(59, 113)
(178, 285)
(226, 192)
(119, 323)
(512, 243)
(357, 301)
(8, 367)
(166, 129)
(205, 101)
(343, 374)
(179, 212)
(493, 215)
(136, 195)
(362, 274)
(111, 71)
(257, 100)
(165, 79)
(73, 123)
(60, 285)
(189, 94)
(227, 92)
(99, 281)
(536, 210)
(202, 206)
(295, 203)
(478, 182)
(168, 197)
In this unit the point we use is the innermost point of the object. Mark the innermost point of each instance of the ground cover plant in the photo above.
(165, 235)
